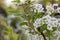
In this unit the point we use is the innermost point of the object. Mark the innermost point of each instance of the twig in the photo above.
(43, 36)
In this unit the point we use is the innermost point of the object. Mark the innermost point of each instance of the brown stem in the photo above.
(43, 36)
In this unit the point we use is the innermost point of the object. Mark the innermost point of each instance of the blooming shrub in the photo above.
(30, 21)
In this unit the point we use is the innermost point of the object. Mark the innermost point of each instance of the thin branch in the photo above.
(43, 36)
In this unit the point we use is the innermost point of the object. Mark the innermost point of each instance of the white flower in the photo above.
(38, 22)
(49, 8)
(51, 21)
(54, 22)
(49, 13)
(38, 7)
(55, 4)
(57, 33)
(35, 37)
(49, 27)
(48, 17)
(58, 9)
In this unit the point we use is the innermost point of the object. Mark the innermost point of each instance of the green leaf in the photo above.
(42, 28)
(23, 23)
(54, 28)
(14, 21)
(28, 1)
(17, 1)
(49, 33)
(40, 15)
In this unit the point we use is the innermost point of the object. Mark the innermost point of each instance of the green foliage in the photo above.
(23, 23)
(14, 21)
(11, 34)
(54, 29)
(18, 1)
(49, 33)
(28, 2)
(40, 15)
(8, 29)
(42, 28)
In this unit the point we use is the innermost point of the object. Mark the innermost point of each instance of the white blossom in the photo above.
(49, 27)
(38, 7)
(55, 4)
(48, 17)
(49, 8)
(49, 13)
(57, 33)
(50, 21)
(58, 9)
(38, 22)
(35, 37)
(54, 22)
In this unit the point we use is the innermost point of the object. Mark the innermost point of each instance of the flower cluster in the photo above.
(49, 8)
(50, 21)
